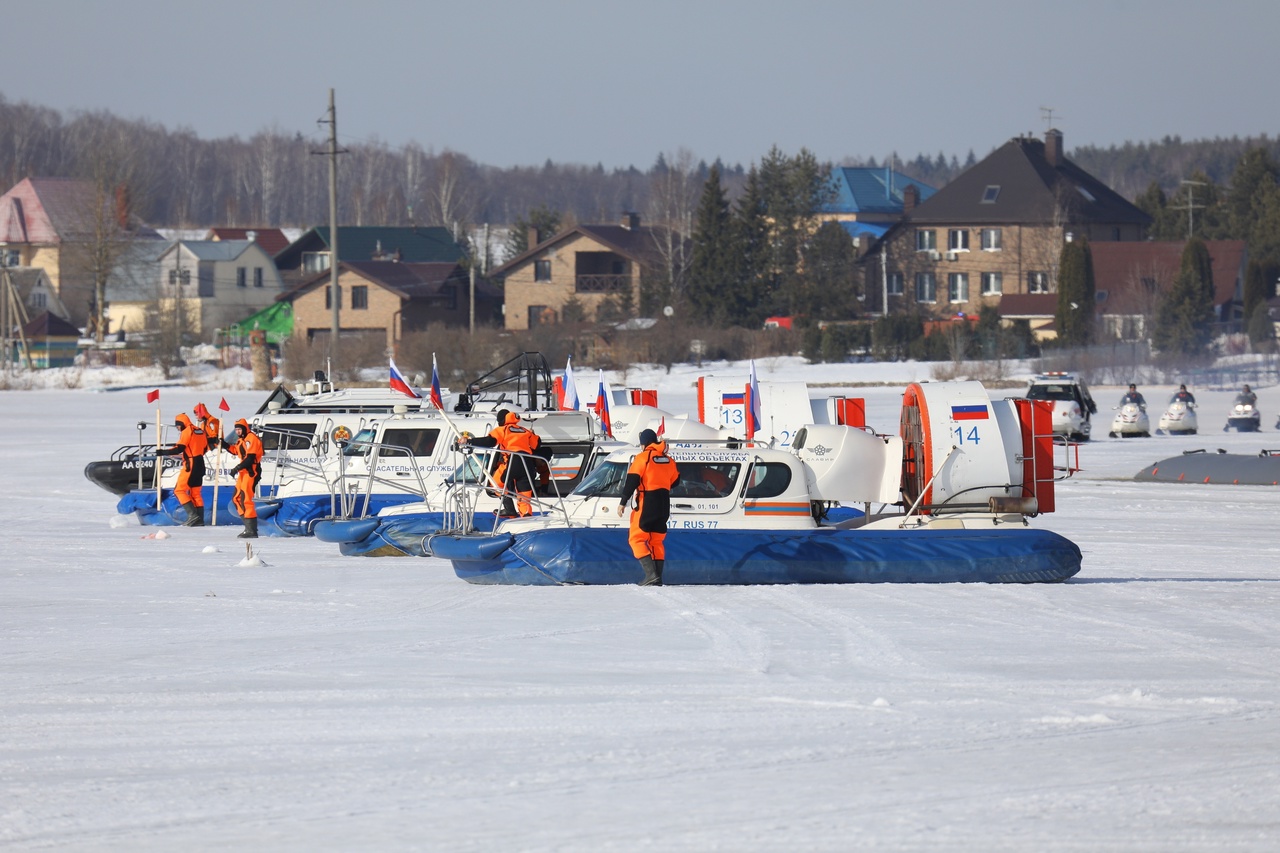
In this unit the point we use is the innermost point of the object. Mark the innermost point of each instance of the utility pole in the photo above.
(335, 299)
(1191, 205)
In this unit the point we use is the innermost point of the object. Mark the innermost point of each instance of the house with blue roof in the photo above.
(867, 201)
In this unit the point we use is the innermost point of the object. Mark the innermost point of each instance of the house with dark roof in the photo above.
(389, 299)
(592, 264)
(46, 341)
(272, 240)
(63, 226)
(1131, 278)
(997, 229)
(219, 283)
(310, 253)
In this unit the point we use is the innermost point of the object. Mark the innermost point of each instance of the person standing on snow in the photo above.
(651, 477)
(248, 447)
(517, 472)
(192, 444)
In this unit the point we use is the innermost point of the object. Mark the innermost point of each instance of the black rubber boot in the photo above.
(250, 529)
(652, 574)
(195, 518)
(657, 564)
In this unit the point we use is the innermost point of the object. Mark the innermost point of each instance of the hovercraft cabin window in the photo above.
(769, 479)
(286, 436)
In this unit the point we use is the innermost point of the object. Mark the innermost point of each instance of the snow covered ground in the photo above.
(159, 696)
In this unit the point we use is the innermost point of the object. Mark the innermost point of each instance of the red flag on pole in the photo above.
(152, 396)
(223, 405)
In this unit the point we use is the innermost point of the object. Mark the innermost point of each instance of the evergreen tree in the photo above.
(714, 269)
(1255, 287)
(1184, 317)
(1262, 330)
(1076, 294)
(543, 218)
(749, 304)
(824, 288)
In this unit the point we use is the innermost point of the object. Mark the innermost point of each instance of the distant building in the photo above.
(996, 230)
(58, 225)
(587, 263)
(220, 282)
(384, 300)
(272, 240)
(310, 253)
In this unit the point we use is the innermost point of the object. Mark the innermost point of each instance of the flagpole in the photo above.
(217, 471)
(159, 467)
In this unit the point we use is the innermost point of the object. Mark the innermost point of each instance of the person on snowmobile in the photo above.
(1133, 397)
(1247, 396)
(192, 444)
(1184, 396)
(650, 477)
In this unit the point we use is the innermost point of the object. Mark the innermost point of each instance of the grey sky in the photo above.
(510, 82)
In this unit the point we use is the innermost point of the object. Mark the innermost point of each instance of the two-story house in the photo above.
(589, 264)
(219, 283)
(997, 229)
(310, 253)
(388, 299)
(74, 231)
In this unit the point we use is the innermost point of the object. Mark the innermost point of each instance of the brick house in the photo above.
(587, 263)
(867, 201)
(1130, 278)
(50, 223)
(996, 230)
(388, 299)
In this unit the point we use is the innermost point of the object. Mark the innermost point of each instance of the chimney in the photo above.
(122, 207)
(630, 221)
(532, 237)
(910, 198)
(1053, 147)
(251, 236)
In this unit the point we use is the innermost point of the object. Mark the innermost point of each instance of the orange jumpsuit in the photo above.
(193, 445)
(516, 472)
(249, 449)
(650, 477)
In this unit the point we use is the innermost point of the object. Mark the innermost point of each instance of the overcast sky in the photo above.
(511, 82)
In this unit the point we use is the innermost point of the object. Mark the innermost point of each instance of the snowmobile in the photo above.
(1130, 420)
(1178, 419)
(1244, 415)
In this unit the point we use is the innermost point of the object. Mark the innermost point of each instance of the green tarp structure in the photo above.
(276, 320)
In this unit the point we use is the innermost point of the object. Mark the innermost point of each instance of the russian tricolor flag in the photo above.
(570, 403)
(436, 399)
(602, 407)
(398, 382)
(969, 413)
(732, 398)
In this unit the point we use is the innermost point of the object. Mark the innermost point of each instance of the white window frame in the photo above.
(992, 240)
(926, 240)
(926, 287)
(958, 240)
(992, 283)
(1039, 278)
(894, 284)
(957, 287)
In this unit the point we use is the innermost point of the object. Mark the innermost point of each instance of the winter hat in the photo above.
(648, 436)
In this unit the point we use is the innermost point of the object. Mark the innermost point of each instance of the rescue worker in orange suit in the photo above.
(516, 472)
(651, 477)
(248, 447)
(192, 444)
(206, 421)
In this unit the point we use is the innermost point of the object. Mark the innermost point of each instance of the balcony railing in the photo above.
(602, 283)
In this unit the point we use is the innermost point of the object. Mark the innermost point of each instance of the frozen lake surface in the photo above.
(158, 696)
